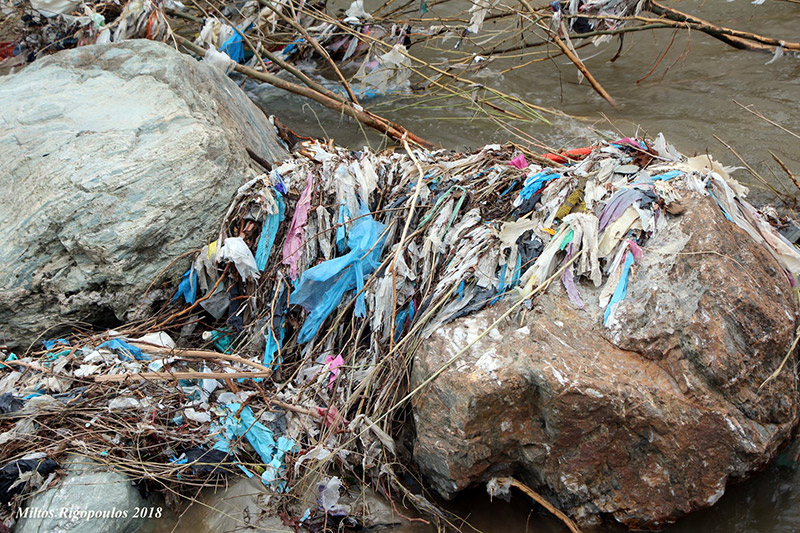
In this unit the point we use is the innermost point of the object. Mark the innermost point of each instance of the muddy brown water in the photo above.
(690, 97)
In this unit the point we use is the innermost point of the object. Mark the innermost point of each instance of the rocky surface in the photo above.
(116, 160)
(644, 421)
(88, 487)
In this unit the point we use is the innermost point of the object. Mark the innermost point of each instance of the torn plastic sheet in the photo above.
(205, 462)
(569, 282)
(333, 365)
(51, 8)
(214, 33)
(667, 175)
(480, 299)
(321, 288)
(479, 10)
(499, 490)
(235, 250)
(328, 499)
(356, 11)
(11, 475)
(10, 404)
(519, 162)
(270, 450)
(218, 302)
(268, 232)
(630, 142)
(272, 348)
(219, 60)
(617, 205)
(392, 74)
(617, 230)
(293, 244)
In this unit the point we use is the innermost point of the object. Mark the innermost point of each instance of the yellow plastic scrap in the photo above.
(212, 250)
(573, 203)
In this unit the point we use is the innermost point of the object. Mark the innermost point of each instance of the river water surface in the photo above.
(691, 97)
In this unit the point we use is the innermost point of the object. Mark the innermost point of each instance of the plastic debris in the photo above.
(235, 250)
(262, 388)
(51, 8)
(329, 497)
(125, 349)
(13, 473)
(321, 288)
(497, 489)
(294, 240)
(271, 450)
(9, 403)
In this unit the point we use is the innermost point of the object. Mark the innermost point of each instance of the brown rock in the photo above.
(646, 420)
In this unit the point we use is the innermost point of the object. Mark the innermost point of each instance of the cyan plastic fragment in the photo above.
(271, 452)
(222, 340)
(536, 182)
(517, 272)
(567, 239)
(399, 323)
(268, 232)
(50, 344)
(341, 232)
(668, 175)
(622, 287)
(272, 348)
(501, 287)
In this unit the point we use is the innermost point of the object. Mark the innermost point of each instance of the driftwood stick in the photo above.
(289, 407)
(198, 354)
(176, 376)
(581, 67)
(17, 362)
(538, 498)
(741, 40)
(318, 47)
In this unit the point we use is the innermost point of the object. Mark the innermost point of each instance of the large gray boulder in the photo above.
(116, 159)
(644, 421)
(90, 499)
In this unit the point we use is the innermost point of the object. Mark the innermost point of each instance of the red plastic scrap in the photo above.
(6, 50)
(566, 155)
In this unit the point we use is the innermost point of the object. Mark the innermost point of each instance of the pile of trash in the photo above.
(286, 348)
(247, 33)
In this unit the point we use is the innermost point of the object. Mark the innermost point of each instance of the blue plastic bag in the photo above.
(188, 287)
(322, 287)
(125, 350)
